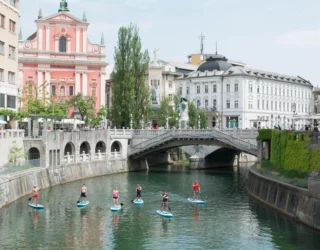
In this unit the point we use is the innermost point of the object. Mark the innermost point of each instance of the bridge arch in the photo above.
(69, 148)
(34, 157)
(223, 156)
(85, 147)
(116, 146)
(100, 146)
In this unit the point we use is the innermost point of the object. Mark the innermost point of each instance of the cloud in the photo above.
(302, 39)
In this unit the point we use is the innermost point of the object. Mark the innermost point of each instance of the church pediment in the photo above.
(63, 17)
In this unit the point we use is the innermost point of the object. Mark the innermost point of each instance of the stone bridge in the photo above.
(160, 140)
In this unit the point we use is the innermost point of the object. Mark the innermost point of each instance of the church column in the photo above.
(77, 40)
(85, 83)
(56, 43)
(40, 78)
(47, 79)
(77, 87)
(84, 42)
(48, 37)
(40, 38)
(103, 89)
(69, 44)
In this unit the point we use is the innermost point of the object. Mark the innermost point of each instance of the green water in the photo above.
(229, 220)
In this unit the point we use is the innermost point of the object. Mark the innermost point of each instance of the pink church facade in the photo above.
(60, 56)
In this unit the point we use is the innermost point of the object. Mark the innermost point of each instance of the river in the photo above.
(229, 220)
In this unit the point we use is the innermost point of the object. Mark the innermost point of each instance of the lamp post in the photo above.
(293, 107)
(130, 121)
(142, 123)
(198, 121)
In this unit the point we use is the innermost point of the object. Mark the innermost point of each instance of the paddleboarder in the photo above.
(196, 189)
(35, 192)
(115, 196)
(139, 189)
(165, 199)
(83, 192)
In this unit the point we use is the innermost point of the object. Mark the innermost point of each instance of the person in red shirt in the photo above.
(196, 189)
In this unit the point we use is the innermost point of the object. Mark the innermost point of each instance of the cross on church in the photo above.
(202, 37)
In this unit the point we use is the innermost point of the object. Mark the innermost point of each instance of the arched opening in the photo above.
(69, 148)
(62, 91)
(116, 146)
(62, 44)
(34, 157)
(100, 146)
(198, 104)
(85, 147)
(206, 104)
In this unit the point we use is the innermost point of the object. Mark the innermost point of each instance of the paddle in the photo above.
(30, 199)
(132, 200)
(79, 199)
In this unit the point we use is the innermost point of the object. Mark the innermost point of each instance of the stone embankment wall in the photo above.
(17, 185)
(292, 201)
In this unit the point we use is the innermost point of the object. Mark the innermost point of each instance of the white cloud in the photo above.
(300, 39)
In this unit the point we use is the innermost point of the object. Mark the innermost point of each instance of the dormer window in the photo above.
(62, 44)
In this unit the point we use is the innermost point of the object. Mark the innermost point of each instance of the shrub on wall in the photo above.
(315, 159)
(264, 135)
(297, 156)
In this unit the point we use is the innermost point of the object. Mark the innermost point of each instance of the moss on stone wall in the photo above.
(264, 135)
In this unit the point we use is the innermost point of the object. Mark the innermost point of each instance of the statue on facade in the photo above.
(155, 58)
(183, 109)
(63, 6)
(155, 93)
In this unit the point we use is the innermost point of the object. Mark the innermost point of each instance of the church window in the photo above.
(70, 90)
(62, 44)
(62, 91)
(53, 90)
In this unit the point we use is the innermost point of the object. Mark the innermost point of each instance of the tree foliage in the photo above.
(85, 105)
(203, 118)
(131, 95)
(16, 153)
(102, 114)
(192, 112)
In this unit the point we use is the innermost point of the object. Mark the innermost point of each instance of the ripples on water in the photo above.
(229, 220)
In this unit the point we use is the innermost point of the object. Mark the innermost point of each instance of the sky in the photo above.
(281, 36)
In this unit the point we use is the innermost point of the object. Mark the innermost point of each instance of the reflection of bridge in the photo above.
(165, 139)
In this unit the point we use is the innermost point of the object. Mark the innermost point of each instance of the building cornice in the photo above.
(50, 52)
(63, 62)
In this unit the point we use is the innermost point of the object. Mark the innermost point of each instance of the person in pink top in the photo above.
(115, 196)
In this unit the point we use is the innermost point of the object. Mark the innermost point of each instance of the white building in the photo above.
(237, 96)
(9, 18)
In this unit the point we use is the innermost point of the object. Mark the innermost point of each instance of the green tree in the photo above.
(102, 114)
(85, 105)
(203, 118)
(192, 112)
(16, 153)
(131, 95)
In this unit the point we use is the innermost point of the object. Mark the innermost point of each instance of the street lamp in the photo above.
(130, 121)
(198, 121)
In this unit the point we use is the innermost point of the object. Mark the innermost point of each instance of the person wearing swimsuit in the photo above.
(115, 195)
(83, 194)
(139, 189)
(165, 198)
(35, 193)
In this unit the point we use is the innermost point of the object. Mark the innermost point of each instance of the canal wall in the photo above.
(17, 185)
(296, 203)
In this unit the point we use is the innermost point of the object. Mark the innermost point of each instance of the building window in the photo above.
(279, 91)
(205, 88)
(267, 105)
(250, 105)
(11, 77)
(275, 91)
(236, 104)
(262, 89)
(279, 106)
(206, 104)
(188, 90)
(236, 87)
(62, 44)
(275, 105)
(1, 75)
(287, 92)
(11, 101)
(180, 90)
(271, 105)
(198, 89)
(198, 104)
(228, 87)
(12, 26)
(250, 88)
(214, 88)
(1, 47)
(284, 106)
(170, 84)
(62, 91)
(1, 21)
(53, 90)
(70, 90)
(13, 3)
(291, 92)
(2, 96)
(287, 107)
(263, 104)
(214, 104)
(258, 104)
(267, 90)
(228, 104)
(12, 52)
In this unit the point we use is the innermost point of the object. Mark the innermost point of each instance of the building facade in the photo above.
(9, 23)
(60, 57)
(237, 96)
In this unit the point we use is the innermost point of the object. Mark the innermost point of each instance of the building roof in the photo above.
(186, 66)
(215, 62)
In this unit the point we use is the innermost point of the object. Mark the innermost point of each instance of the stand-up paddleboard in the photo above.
(115, 208)
(164, 213)
(36, 206)
(83, 204)
(138, 201)
(196, 201)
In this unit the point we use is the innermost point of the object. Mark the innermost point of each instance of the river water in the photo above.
(229, 220)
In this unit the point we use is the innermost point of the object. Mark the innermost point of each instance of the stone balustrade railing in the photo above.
(11, 133)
